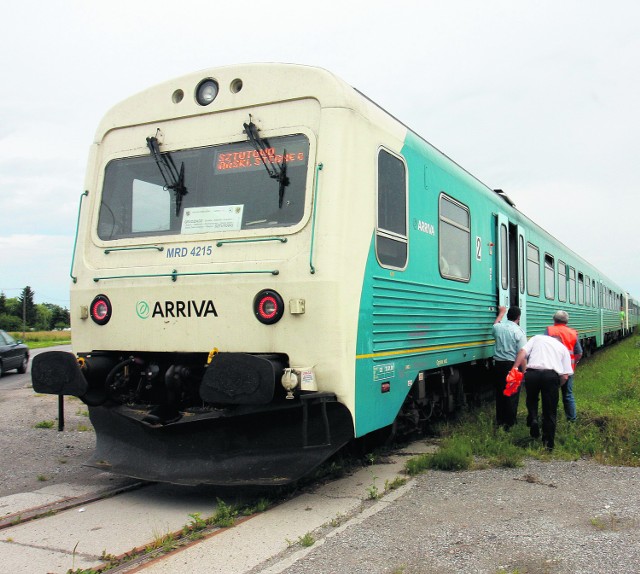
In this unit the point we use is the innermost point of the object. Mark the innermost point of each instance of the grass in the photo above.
(44, 425)
(41, 339)
(607, 391)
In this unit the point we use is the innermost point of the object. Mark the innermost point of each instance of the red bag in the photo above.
(514, 378)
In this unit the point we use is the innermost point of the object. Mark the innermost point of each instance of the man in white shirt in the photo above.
(547, 365)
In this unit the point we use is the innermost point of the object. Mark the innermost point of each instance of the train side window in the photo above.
(594, 295)
(587, 291)
(549, 277)
(454, 233)
(562, 281)
(580, 288)
(533, 270)
(572, 285)
(391, 232)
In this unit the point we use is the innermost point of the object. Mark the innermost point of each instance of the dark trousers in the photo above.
(546, 385)
(506, 407)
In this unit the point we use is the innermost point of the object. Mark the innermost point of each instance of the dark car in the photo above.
(13, 354)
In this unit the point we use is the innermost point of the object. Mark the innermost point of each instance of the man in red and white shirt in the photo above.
(547, 365)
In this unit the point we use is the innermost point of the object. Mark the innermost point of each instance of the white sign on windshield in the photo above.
(212, 219)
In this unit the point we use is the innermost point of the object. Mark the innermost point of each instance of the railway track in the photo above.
(67, 503)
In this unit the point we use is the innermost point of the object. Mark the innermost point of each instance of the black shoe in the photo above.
(534, 431)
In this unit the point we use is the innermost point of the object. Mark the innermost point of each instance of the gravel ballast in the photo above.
(32, 458)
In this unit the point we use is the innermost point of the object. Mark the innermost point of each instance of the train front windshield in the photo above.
(232, 187)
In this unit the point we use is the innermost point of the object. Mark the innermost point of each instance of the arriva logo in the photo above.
(175, 309)
(142, 309)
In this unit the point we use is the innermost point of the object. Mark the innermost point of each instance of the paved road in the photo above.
(13, 380)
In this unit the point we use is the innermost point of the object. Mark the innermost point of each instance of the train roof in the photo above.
(240, 86)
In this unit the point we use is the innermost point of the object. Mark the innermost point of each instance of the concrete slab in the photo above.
(16, 503)
(114, 526)
(255, 541)
(14, 558)
(24, 501)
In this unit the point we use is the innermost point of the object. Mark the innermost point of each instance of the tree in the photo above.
(60, 318)
(41, 316)
(28, 307)
(13, 307)
(10, 322)
(43, 321)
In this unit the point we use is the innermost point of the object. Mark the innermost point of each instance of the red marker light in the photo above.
(100, 310)
(268, 306)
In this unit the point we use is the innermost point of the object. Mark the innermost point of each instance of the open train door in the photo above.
(510, 265)
(502, 264)
(519, 279)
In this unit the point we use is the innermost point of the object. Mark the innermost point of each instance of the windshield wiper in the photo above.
(274, 169)
(173, 178)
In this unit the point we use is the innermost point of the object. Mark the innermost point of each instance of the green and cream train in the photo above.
(269, 265)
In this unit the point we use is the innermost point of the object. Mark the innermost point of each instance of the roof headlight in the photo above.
(206, 92)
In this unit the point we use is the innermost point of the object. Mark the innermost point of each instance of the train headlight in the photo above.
(206, 92)
(268, 306)
(100, 310)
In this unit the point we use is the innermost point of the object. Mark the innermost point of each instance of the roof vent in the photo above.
(505, 197)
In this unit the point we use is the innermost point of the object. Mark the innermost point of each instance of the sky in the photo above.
(538, 98)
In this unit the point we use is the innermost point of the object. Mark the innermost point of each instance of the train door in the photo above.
(510, 266)
(601, 305)
(519, 279)
(502, 267)
(624, 319)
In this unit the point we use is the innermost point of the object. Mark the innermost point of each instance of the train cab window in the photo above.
(549, 277)
(562, 281)
(391, 231)
(533, 270)
(454, 231)
(580, 288)
(572, 285)
(224, 188)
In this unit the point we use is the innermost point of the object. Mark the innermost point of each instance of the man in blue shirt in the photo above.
(510, 338)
